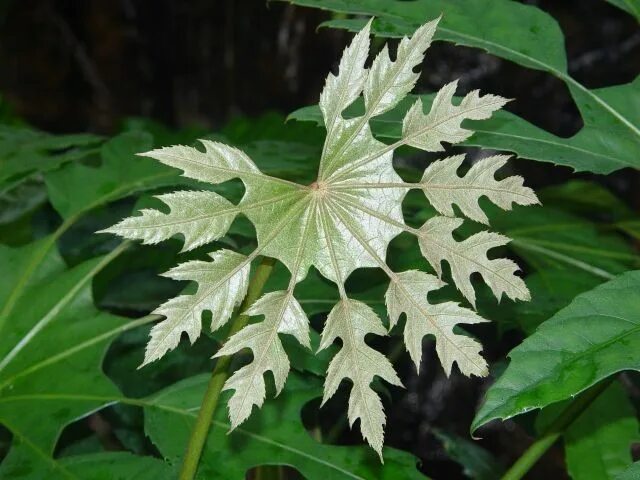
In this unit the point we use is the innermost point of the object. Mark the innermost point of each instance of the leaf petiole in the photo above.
(219, 376)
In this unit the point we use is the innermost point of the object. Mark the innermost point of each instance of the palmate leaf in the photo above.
(341, 222)
(610, 137)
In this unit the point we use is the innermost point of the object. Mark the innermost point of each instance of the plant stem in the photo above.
(219, 376)
(555, 430)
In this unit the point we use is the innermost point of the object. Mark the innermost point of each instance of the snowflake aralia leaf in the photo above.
(342, 89)
(407, 293)
(389, 82)
(283, 314)
(351, 320)
(442, 186)
(470, 256)
(443, 122)
(343, 221)
(222, 284)
(201, 217)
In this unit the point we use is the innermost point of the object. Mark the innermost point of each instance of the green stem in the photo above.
(219, 376)
(555, 430)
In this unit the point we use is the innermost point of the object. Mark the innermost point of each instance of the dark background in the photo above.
(85, 65)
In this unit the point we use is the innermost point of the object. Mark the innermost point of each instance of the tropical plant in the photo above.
(343, 221)
(314, 263)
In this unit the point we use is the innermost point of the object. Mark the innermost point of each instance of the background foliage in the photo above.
(138, 75)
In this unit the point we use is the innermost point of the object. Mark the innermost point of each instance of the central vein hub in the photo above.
(319, 188)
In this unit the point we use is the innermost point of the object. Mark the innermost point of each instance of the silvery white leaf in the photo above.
(470, 256)
(444, 188)
(408, 293)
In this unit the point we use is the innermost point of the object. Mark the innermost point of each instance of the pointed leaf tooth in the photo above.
(443, 122)
(407, 293)
(342, 89)
(351, 320)
(388, 82)
(201, 217)
(470, 256)
(282, 314)
(444, 188)
(222, 284)
(217, 164)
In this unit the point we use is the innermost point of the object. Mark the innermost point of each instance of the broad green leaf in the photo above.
(503, 131)
(597, 335)
(550, 239)
(24, 151)
(100, 466)
(610, 137)
(276, 437)
(598, 443)
(339, 223)
(551, 289)
(121, 173)
(50, 352)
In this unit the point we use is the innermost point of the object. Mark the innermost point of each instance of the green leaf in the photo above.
(276, 437)
(630, 6)
(341, 222)
(477, 463)
(121, 173)
(550, 239)
(598, 443)
(611, 133)
(631, 473)
(597, 335)
(52, 351)
(24, 151)
(100, 466)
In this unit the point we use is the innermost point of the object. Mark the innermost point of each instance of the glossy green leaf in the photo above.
(597, 335)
